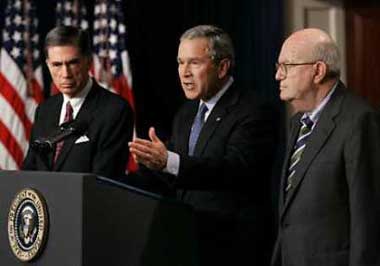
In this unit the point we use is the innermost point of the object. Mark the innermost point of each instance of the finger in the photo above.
(141, 147)
(140, 155)
(153, 136)
(141, 141)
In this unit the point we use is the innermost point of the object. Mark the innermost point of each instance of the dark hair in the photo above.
(219, 41)
(68, 35)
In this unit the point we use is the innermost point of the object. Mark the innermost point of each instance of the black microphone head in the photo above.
(78, 127)
(41, 145)
(72, 128)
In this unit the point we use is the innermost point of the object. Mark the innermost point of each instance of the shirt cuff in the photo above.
(172, 165)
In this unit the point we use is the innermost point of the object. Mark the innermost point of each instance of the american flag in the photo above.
(70, 13)
(20, 81)
(111, 60)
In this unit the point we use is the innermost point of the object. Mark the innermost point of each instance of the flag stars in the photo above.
(113, 39)
(35, 38)
(67, 21)
(18, 20)
(114, 69)
(96, 24)
(17, 4)
(96, 39)
(97, 10)
(122, 28)
(113, 54)
(36, 54)
(5, 36)
(113, 24)
(68, 6)
(17, 36)
(103, 22)
(102, 53)
(27, 6)
(84, 25)
(15, 52)
(103, 8)
(8, 21)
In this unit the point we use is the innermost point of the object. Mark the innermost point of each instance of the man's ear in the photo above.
(89, 62)
(320, 71)
(223, 68)
(47, 63)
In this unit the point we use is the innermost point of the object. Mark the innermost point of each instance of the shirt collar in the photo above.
(77, 101)
(316, 113)
(212, 102)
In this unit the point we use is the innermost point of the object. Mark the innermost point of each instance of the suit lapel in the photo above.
(318, 138)
(52, 125)
(85, 114)
(216, 117)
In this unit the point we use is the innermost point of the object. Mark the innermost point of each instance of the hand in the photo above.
(151, 153)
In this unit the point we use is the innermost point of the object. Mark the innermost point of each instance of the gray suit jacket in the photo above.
(332, 214)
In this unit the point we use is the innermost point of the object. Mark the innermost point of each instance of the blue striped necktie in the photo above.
(299, 147)
(196, 128)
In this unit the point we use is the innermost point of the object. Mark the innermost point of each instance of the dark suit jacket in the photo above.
(227, 180)
(110, 121)
(332, 215)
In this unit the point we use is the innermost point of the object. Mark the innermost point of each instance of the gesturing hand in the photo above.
(152, 153)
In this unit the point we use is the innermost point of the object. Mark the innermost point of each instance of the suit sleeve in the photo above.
(111, 155)
(362, 154)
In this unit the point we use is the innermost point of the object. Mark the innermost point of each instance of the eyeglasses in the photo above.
(283, 67)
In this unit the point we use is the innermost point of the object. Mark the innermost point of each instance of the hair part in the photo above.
(68, 35)
(220, 43)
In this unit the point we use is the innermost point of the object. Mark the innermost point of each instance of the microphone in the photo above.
(64, 131)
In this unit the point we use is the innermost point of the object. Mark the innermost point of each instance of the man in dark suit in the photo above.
(329, 200)
(103, 146)
(220, 154)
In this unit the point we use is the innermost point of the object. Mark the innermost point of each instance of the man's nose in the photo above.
(279, 75)
(66, 71)
(186, 70)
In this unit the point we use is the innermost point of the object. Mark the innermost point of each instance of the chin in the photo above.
(191, 96)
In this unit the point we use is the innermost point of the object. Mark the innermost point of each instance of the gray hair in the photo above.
(328, 52)
(220, 43)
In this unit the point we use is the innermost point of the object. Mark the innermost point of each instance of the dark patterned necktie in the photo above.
(68, 118)
(298, 149)
(196, 128)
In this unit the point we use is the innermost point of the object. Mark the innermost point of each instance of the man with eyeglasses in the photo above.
(329, 210)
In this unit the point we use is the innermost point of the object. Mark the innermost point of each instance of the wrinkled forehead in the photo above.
(294, 50)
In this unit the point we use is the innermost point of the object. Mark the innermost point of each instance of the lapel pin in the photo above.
(218, 119)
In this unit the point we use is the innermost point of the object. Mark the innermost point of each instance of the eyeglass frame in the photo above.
(283, 66)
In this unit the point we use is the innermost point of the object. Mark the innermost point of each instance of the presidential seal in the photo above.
(27, 224)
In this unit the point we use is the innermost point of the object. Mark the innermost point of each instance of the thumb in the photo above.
(152, 135)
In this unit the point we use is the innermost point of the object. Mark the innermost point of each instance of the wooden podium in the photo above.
(96, 221)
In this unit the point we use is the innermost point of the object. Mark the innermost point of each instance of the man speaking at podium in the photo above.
(100, 123)
(220, 154)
